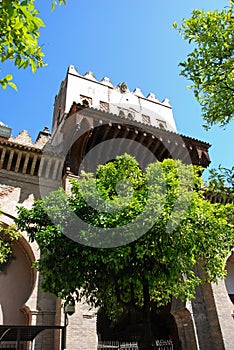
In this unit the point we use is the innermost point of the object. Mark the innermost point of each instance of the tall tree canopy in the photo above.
(20, 26)
(185, 230)
(210, 66)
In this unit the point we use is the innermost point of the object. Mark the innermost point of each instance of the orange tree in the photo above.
(107, 261)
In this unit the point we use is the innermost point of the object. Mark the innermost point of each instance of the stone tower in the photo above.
(89, 115)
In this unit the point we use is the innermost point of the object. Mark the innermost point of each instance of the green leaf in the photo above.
(13, 85)
(53, 6)
(9, 77)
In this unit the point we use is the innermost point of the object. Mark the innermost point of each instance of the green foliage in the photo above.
(151, 269)
(210, 66)
(7, 236)
(55, 3)
(6, 81)
(221, 182)
(20, 26)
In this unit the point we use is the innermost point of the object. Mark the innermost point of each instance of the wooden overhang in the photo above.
(29, 160)
(96, 126)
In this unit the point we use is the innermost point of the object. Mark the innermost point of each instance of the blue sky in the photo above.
(126, 40)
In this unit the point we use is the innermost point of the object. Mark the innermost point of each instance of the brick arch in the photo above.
(229, 281)
(17, 281)
(183, 316)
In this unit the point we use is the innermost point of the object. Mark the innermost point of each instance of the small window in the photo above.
(104, 106)
(161, 124)
(121, 113)
(145, 119)
(130, 116)
(86, 101)
(59, 116)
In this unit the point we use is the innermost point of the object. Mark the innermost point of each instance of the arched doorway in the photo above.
(128, 327)
(16, 285)
(229, 282)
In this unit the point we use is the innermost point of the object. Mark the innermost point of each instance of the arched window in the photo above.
(85, 103)
(162, 124)
(121, 113)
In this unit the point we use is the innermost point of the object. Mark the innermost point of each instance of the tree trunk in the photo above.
(147, 341)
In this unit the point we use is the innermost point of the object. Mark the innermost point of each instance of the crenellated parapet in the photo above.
(118, 100)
